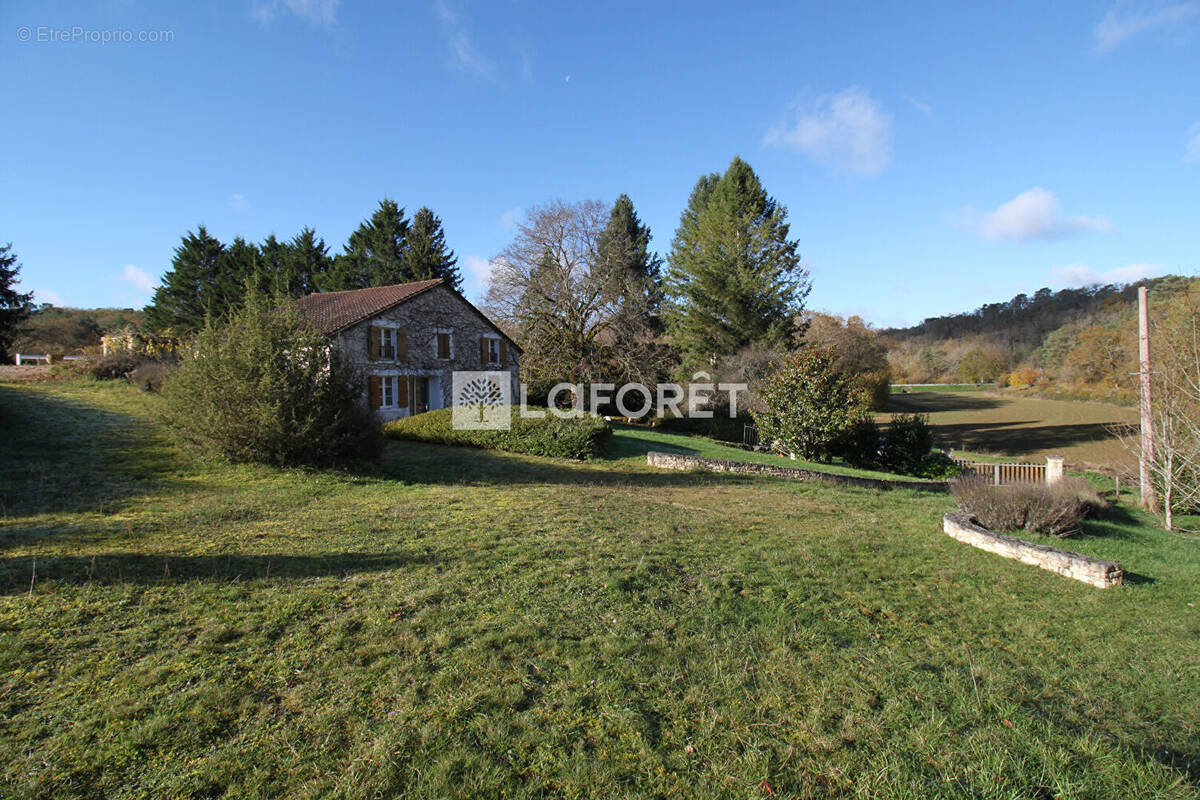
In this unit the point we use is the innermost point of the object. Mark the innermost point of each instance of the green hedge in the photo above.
(579, 438)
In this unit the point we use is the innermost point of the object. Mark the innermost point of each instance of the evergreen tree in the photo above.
(238, 265)
(631, 276)
(15, 307)
(272, 267)
(735, 278)
(376, 253)
(428, 255)
(306, 259)
(192, 287)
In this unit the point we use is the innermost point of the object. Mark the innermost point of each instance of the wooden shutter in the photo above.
(373, 343)
(483, 351)
(402, 345)
(402, 389)
(503, 352)
(375, 391)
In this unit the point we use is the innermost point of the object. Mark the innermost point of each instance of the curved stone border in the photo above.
(1094, 571)
(657, 458)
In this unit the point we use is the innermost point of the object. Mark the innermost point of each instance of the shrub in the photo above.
(1054, 510)
(148, 376)
(720, 426)
(114, 365)
(265, 387)
(859, 445)
(907, 443)
(576, 438)
(808, 404)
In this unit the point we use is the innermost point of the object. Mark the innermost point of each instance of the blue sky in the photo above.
(933, 157)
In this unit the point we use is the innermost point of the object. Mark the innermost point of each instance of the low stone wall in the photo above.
(656, 458)
(1090, 570)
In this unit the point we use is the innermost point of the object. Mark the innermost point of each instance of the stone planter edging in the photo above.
(1093, 571)
(657, 458)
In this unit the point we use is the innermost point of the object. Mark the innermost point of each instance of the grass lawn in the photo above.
(1017, 426)
(465, 623)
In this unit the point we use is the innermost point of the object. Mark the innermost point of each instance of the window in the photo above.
(387, 343)
(388, 386)
(443, 344)
(493, 351)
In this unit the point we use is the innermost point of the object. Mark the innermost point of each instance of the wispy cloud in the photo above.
(47, 296)
(239, 203)
(847, 131)
(139, 279)
(509, 219)
(1030, 216)
(1127, 19)
(1192, 154)
(1078, 274)
(318, 13)
(477, 272)
(924, 108)
(464, 52)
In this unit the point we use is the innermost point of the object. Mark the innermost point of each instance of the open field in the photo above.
(1008, 424)
(460, 623)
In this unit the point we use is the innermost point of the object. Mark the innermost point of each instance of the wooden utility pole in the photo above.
(1149, 501)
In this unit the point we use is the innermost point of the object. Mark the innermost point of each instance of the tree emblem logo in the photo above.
(481, 401)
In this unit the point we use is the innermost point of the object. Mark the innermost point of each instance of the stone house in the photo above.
(409, 339)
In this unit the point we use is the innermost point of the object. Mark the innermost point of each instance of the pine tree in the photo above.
(192, 287)
(631, 275)
(428, 255)
(306, 259)
(15, 307)
(376, 253)
(237, 266)
(735, 278)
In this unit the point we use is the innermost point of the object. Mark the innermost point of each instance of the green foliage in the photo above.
(859, 350)
(376, 253)
(62, 331)
(263, 387)
(808, 404)
(735, 277)
(909, 439)
(859, 444)
(428, 256)
(114, 365)
(576, 438)
(195, 287)
(981, 366)
(15, 307)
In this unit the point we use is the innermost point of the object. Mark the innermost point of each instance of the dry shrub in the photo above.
(1054, 510)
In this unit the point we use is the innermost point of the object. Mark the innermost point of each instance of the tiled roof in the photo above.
(333, 311)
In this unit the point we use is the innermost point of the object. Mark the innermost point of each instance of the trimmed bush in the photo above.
(1053, 510)
(267, 388)
(114, 365)
(907, 443)
(577, 438)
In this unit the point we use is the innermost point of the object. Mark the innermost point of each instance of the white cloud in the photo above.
(141, 280)
(47, 296)
(1192, 154)
(319, 13)
(509, 219)
(1082, 275)
(476, 274)
(239, 202)
(466, 55)
(1127, 19)
(846, 130)
(1031, 216)
(924, 108)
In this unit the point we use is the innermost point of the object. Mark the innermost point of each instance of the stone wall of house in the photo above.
(1094, 571)
(438, 309)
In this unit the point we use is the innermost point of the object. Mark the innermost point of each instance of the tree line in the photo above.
(209, 278)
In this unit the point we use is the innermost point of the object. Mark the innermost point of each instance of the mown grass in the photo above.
(1016, 426)
(464, 623)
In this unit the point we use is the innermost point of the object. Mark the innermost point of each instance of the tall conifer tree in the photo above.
(15, 307)
(192, 287)
(428, 256)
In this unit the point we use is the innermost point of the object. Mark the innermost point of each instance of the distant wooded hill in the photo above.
(64, 331)
(1077, 339)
